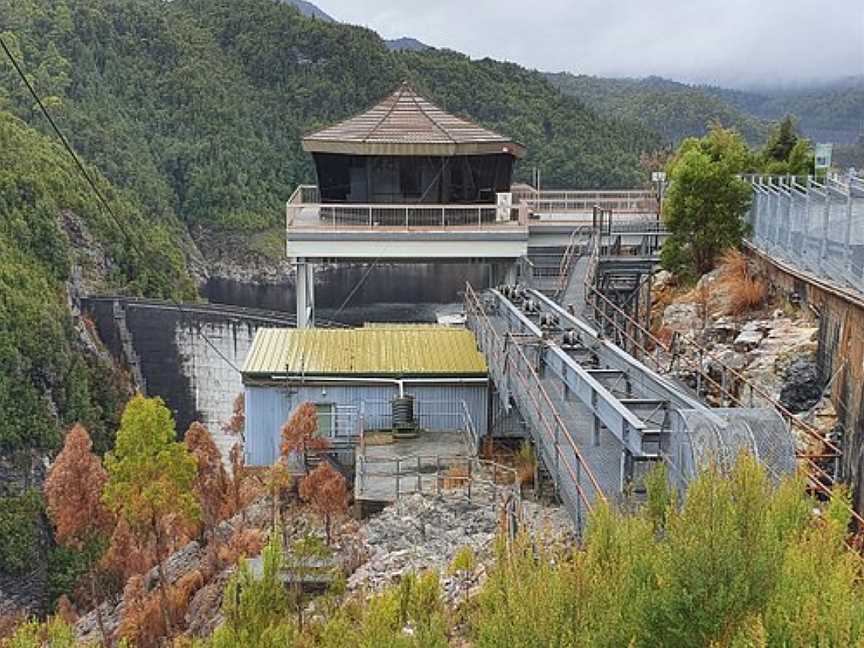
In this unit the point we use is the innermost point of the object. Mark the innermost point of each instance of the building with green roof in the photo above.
(353, 375)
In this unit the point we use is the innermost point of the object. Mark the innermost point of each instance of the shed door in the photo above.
(326, 419)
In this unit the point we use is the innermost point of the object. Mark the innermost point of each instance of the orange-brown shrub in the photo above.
(455, 477)
(743, 290)
(745, 295)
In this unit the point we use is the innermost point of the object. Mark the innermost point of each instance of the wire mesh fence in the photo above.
(815, 224)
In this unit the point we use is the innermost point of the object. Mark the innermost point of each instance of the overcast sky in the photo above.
(723, 41)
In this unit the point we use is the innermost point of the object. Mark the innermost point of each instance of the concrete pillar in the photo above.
(305, 291)
(512, 273)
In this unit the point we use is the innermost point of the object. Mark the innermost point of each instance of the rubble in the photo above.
(425, 532)
(683, 318)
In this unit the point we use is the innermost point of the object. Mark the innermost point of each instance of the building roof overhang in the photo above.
(406, 123)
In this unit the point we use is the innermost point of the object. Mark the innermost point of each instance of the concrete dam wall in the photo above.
(167, 354)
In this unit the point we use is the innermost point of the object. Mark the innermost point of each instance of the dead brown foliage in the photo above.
(298, 434)
(244, 542)
(143, 622)
(211, 481)
(237, 422)
(454, 477)
(326, 492)
(66, 611)
(244, 486)
(743, 290)
(73, 491)
(10, 622)
(125, 555)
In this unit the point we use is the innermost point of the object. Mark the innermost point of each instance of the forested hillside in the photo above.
(198, 106)
(55, 241)
(830, 113)
(675, 110)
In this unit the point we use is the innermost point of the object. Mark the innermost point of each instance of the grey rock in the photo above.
(748, 340)
(802, 386)
(684, 318)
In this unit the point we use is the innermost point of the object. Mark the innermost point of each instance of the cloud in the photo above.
(730, 42)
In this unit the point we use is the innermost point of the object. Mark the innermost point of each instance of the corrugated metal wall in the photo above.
(438, 407)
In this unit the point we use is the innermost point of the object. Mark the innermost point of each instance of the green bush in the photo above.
(742, 562)
(20, 529)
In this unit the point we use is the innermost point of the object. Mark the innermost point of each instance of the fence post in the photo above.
(397, 478)
(438, 475)
(419, 481)
(369, 208)
(469, 480)
(443, 223)
(826, 221)
(847, 238)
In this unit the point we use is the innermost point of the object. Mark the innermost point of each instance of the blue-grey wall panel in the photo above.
(438, 407)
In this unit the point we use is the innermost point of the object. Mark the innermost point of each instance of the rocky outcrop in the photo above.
(802, 385)
(422, 532)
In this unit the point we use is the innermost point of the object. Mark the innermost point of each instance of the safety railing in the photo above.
(558, 202)
(517, 378)
(391, 478)
(305, 211)
(576, 241)
(302, 197)
(434, 416)
(733, 389)
(816, 224)
(341, 423)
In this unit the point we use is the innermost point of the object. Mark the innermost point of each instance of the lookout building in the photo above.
(407, 150)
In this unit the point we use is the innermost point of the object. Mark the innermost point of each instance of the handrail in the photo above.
(407, 216)
(416, 467)
(593, 295)
(567, 259)
(469, 429)
(530, 382)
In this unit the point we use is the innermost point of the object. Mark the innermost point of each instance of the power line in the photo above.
(102, 200)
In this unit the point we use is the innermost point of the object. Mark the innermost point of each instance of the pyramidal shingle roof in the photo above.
(406, 123)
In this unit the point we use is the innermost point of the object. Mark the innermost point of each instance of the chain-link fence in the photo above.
(815, 224)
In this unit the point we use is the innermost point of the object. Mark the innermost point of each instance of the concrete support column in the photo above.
(505, 273)
(511, 275)
(305, 291)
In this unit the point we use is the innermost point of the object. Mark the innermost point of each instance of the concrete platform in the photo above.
(419, 461)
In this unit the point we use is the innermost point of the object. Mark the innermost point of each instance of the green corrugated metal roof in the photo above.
(369, 351)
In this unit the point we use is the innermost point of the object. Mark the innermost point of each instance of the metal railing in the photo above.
(343, 422)
(304, 209)
(577, 240)
(733, 389)
(437, 475)
(516, 378)
(435, 416)
(816, 224)
(554, 201)
(303, 196)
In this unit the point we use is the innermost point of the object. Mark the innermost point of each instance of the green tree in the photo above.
(151, 477)
(782, 140)
(257, 608)
(54, 633)
(462, 567)
(786, 152)
(705, 202)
